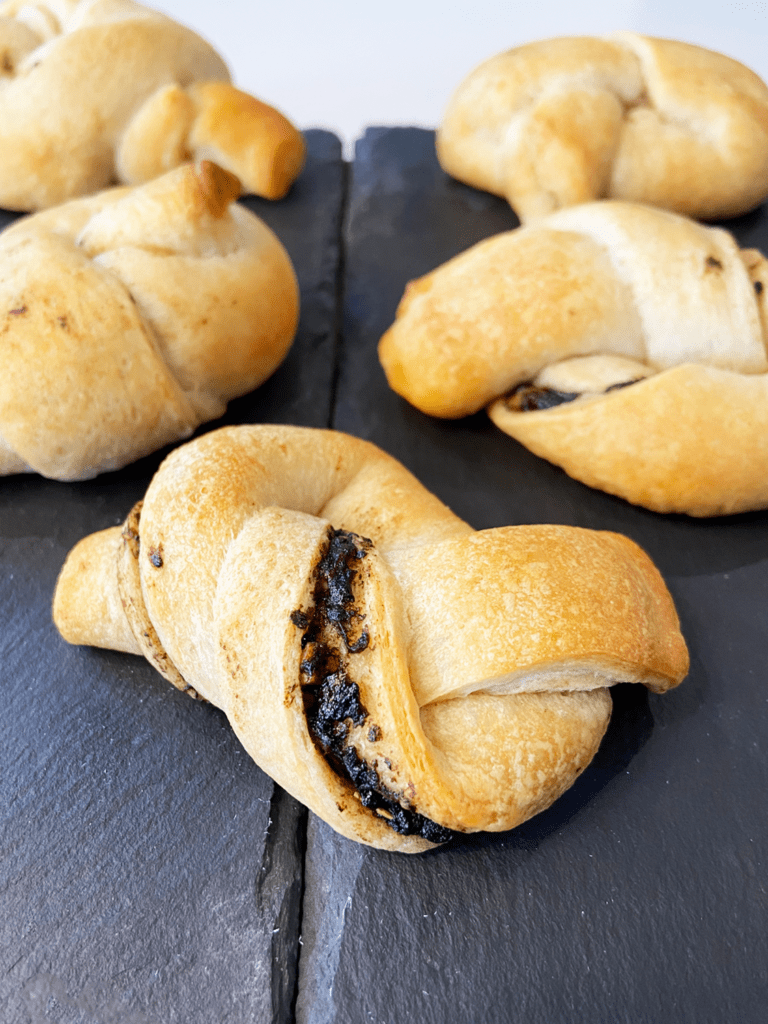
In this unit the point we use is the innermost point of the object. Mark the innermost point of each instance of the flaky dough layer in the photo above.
(648, 326)
(565, 121)
(463, 680)
(129, 318)
(96, 92)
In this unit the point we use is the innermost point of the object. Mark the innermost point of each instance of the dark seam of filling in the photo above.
(530, 398)
(332, 698)
(623, 384)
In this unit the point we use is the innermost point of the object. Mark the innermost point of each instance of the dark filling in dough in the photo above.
(331, 699)
(531, 398)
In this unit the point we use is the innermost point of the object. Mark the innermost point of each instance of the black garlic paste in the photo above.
(332, 701)
(532, 398)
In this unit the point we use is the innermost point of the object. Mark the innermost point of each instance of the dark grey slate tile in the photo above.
(133, 835)
(308, 223)
(640, 896)
(150, 873)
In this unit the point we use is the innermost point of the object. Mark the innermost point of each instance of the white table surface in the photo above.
(343, 65)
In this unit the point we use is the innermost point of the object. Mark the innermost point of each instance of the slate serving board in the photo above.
(640, 895)
(149, 872)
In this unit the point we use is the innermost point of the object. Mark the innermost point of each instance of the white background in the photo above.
(343, 65)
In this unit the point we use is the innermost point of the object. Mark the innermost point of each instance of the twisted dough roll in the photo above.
(565, 121)
(93, 92)
(129, 318)
(422, 679)
(586, 302)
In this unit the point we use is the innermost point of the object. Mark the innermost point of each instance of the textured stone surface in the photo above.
(640, 895)
(150, 873)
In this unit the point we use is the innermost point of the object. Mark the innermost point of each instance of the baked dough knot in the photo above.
(95, 92)
(565, 121)
(401, 674)
(130, 317)
(624, 343)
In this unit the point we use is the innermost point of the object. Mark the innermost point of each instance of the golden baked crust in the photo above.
(467, 670)
(568, 120)
(584, 302)
(95, 92)
(130, 317)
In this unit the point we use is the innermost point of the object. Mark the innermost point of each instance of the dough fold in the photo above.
(130, 317)
(401, 674)
(99, 92)
(564, 121)
(621, 342)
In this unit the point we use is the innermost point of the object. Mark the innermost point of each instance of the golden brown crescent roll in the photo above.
(565, 121)
(94, 92)
(399, 673)
(621, 342)
(129, 318)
